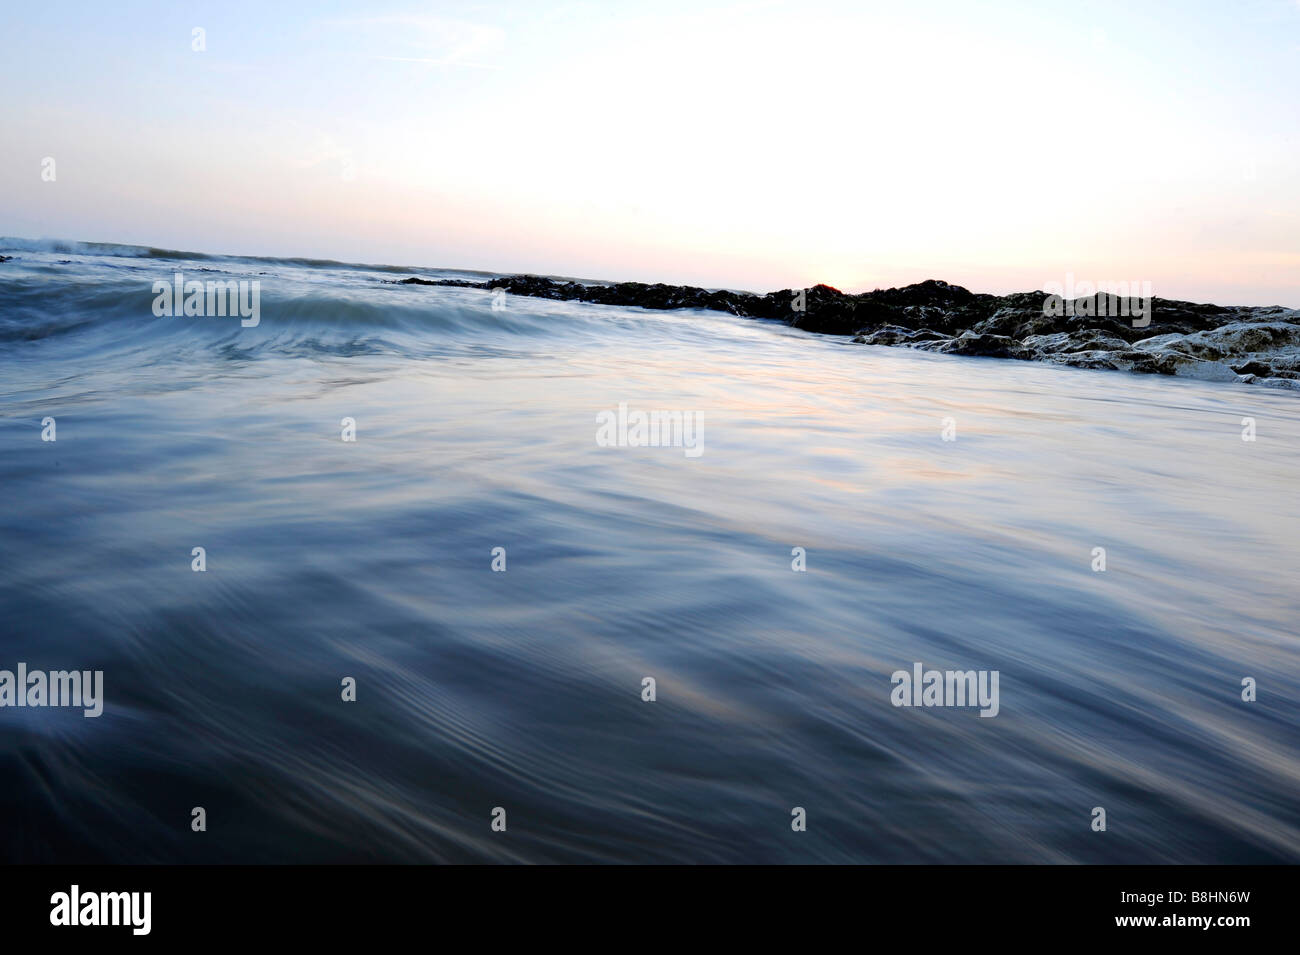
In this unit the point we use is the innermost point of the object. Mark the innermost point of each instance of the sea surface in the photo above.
(521, 690)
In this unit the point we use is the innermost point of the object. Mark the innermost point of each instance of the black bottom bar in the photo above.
(334, 904)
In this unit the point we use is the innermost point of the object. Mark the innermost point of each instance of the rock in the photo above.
(1253, 368)
(1290, 383)
(1047, 344)
(1258, 345)
(975, 343)
(1246, 337)
(1206, 371)
(897, 335)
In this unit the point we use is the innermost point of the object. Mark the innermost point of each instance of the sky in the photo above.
(757, 145)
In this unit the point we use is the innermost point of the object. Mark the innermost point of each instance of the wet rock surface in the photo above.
(1253, 345)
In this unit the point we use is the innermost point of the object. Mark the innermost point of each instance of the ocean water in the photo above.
(476, 429)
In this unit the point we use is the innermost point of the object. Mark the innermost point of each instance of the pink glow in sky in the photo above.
(753, 145)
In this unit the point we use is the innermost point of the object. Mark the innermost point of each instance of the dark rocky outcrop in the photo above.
(1241, 343)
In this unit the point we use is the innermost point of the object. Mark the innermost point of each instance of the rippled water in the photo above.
(476, 429)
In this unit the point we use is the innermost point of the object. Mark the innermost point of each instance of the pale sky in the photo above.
(759, 145)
